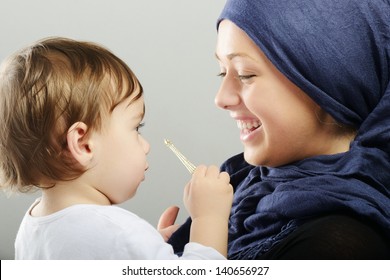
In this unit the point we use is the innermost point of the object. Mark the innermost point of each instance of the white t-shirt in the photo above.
(97, 232)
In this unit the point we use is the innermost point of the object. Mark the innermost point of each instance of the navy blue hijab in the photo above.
(337, 52)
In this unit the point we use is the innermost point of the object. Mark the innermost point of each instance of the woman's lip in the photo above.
(249, 126)
(248, 134)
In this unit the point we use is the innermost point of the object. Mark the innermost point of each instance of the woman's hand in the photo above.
(166, 224)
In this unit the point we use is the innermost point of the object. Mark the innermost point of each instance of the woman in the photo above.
(308, 84)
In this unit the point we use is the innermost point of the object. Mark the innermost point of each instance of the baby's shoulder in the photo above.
(112, 221)
(112, 215)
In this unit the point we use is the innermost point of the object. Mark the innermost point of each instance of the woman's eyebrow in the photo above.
(231, 56)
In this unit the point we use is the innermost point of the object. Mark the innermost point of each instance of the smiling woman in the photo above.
(312, 182)
(255, 92)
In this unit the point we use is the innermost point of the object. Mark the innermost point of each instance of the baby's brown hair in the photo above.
(44, 89)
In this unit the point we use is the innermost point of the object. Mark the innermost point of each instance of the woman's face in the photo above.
(278, 122)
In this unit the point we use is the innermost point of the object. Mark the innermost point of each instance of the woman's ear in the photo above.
(79, 143)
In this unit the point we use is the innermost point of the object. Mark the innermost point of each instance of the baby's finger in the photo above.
(200, 171)
(186, 191)
(212, 171)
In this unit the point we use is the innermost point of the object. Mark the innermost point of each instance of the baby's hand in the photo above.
(209, 193)
(208, 198)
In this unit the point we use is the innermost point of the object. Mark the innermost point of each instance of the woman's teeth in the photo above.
(248, 125)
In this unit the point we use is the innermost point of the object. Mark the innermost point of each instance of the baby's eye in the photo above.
(140, 126)
(222, 74)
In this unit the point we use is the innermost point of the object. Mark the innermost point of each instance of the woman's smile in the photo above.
(248, 128)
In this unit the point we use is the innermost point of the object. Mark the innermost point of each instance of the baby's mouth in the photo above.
(247, 126)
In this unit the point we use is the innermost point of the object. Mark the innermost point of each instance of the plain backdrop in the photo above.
(169, 45)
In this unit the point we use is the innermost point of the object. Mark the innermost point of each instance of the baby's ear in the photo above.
(79, 143)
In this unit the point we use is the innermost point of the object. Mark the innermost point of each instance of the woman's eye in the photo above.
(240, 77)
(245, 77)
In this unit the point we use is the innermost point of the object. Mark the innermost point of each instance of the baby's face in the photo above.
(121, 152)
(278, 122)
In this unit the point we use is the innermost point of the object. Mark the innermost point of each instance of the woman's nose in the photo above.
(227, 95)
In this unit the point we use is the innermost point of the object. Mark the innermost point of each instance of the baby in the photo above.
(70, 114)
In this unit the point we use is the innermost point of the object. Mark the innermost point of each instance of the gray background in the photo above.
(169, 44)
